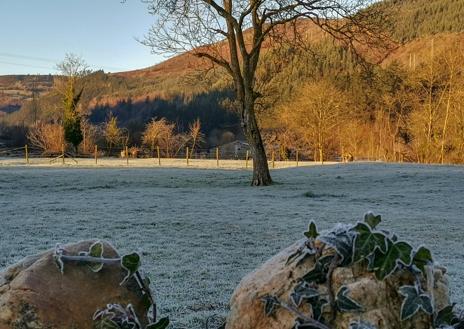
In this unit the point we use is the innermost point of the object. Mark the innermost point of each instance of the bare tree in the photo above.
(231, 34)
(112, 132)
(315, 116)
(160, 133)
(46, 136)
(195, 135)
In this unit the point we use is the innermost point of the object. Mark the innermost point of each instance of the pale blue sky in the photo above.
(35, 34)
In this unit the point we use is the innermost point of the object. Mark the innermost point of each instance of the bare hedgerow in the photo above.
(49, 137)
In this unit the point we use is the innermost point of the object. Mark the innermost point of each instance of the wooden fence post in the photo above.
(217, 156)
(27, 153)
(187, 155)
(127, 155)
(246, 159)
(62, 152)
(96, 154)
(158, 153)
(297, 159)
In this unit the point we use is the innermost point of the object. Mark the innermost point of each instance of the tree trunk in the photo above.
(261, 175)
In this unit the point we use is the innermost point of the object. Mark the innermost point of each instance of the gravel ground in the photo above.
(201, 230)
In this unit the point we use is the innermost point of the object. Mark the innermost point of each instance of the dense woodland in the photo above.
(322, 100)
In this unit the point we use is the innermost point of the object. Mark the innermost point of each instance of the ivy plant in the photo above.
(381, 253)
(115, 316)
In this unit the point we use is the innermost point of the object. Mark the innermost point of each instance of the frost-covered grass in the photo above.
(202, 230)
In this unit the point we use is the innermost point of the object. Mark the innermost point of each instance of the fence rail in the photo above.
(156, 156)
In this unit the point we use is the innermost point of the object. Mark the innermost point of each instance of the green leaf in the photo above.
(361, 325)
(96, 250)
(413, 302)
(146, 301)
(341, 239)
(161, 324)
(271, 303)
(366, 242)
(319, 273)
(345, 303)
(317, 304)
(312, 231)
(422, 257)
(131, 264)
(446, 317)
(386, 263)
(372, 220)
(303, 291)
(302, 253)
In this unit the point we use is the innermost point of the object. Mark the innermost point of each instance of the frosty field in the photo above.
(201, 230)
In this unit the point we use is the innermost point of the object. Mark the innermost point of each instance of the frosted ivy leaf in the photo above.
(413, 302)
(341, 238)
(345, 303)
(131, 264)
(386, 263)
(372, 220)
(96, 250)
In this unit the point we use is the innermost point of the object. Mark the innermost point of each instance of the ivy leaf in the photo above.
(422, 257)
(271, 303)
(345, 303)
(319, 273)
(303, 291)
(317, 304)
(386, 263)
(146, 301)
(131, 264)
(366, 241)
(446, 317)
(341, 239)
(302, 253)
(96, 250)
(161, 324)
(312, 231)
(361, 325)
(413, 302)
(372, 220)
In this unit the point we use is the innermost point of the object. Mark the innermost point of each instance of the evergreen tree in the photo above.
(72, 119)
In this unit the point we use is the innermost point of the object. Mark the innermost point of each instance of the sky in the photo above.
(36, 34)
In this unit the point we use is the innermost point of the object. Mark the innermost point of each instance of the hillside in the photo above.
(183, 88)
(15, 90)
(420, 18)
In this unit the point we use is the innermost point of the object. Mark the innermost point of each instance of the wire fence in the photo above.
(221, 154)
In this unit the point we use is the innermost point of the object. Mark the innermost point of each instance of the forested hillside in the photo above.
(419, 18)
(406, 108)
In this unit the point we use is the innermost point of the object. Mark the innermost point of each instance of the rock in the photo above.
(380, 299)
(34, 293)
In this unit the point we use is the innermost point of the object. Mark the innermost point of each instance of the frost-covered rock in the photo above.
(35, 294)
(381, 300)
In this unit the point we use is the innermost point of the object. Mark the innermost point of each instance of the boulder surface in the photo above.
(380, 299)
(35, 294)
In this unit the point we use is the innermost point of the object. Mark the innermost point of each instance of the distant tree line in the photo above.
(390, 113)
